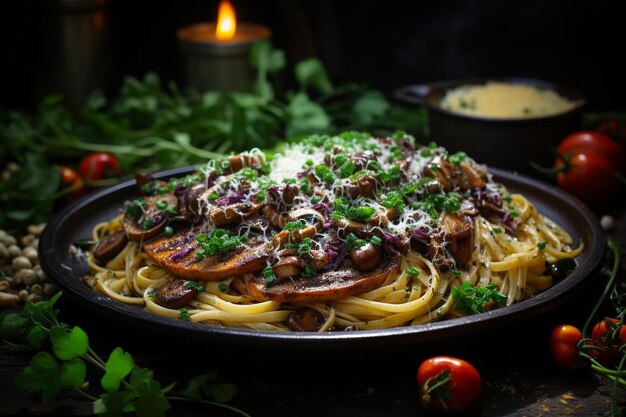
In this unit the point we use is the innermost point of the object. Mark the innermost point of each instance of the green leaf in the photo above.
(305, 116)
(42, 312)
(151, 401)
(41, 375)
(36, 336)
(118, 366)
(265, 58)
(221, 392)
(69, 344)
(195, 385)
(311, 73)
(370, 106)
(264, 90)
(114, 404)
(12, 326)
(72, 373)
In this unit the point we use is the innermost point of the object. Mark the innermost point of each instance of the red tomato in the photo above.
(588, 177)
(589, 141)
(563, 342)
(99, 165)
(448, 384)
(72, 181)
(607, 336)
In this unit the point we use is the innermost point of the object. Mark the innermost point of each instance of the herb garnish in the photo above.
(219, 241)
(474, 300)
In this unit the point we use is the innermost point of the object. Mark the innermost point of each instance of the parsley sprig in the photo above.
(64, 353)
(474, 300)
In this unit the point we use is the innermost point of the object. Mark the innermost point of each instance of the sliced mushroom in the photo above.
(277, 219)
(330, 285)
(287, 267)
(190, 198)
(177, 255)
(318, 259)
(454, 238)
(221, 216)
(475, 176)
(110, 246)
(305, 320)
(175, 294)
(133, 225)
(243, 160)
(366, 257)
(310, 217)
(362, 159)
(313, 222)
(364, 186)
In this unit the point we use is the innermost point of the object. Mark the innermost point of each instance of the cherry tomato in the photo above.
(99, 165)
(588, 176)
(72, 181)
(448, 384)
(609, 338)
(589, 141)
(563, 341)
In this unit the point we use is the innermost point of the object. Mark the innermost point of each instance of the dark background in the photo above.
(385, 44)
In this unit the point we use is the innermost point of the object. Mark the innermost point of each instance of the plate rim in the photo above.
(542, 302)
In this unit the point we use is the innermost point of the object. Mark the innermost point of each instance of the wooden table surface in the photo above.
(519, 378)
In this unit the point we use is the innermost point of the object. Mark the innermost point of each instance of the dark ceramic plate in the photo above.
(76, 221)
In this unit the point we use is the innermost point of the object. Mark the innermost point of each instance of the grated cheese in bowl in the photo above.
(504, 101)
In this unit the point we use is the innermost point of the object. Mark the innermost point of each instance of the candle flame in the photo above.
(226, 21)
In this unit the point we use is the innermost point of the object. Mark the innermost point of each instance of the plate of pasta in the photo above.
(334, 241)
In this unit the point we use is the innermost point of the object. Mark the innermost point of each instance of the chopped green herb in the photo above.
(305, 186)
(375, 240)
(426, 153)
(412, 271)
(394, 200)
(325, 174)
(265, 169)
(541, 245)
(496, 230)
(473, 300)
(161, 204)
(360, 213)
(184, 314)
(289, 181)
(213, 196)
(340, 159)
(309, 271)
(295, 225)
(170, 211)
(222, 287)
(269, 277)
(316, 199)
(456, 272)
(135, 208)
(193, 285)
(248, 173)
(457, 158)
(352, 241)
(392, 175)
(219, 241)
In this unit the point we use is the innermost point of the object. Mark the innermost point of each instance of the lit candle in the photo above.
(215, 54)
